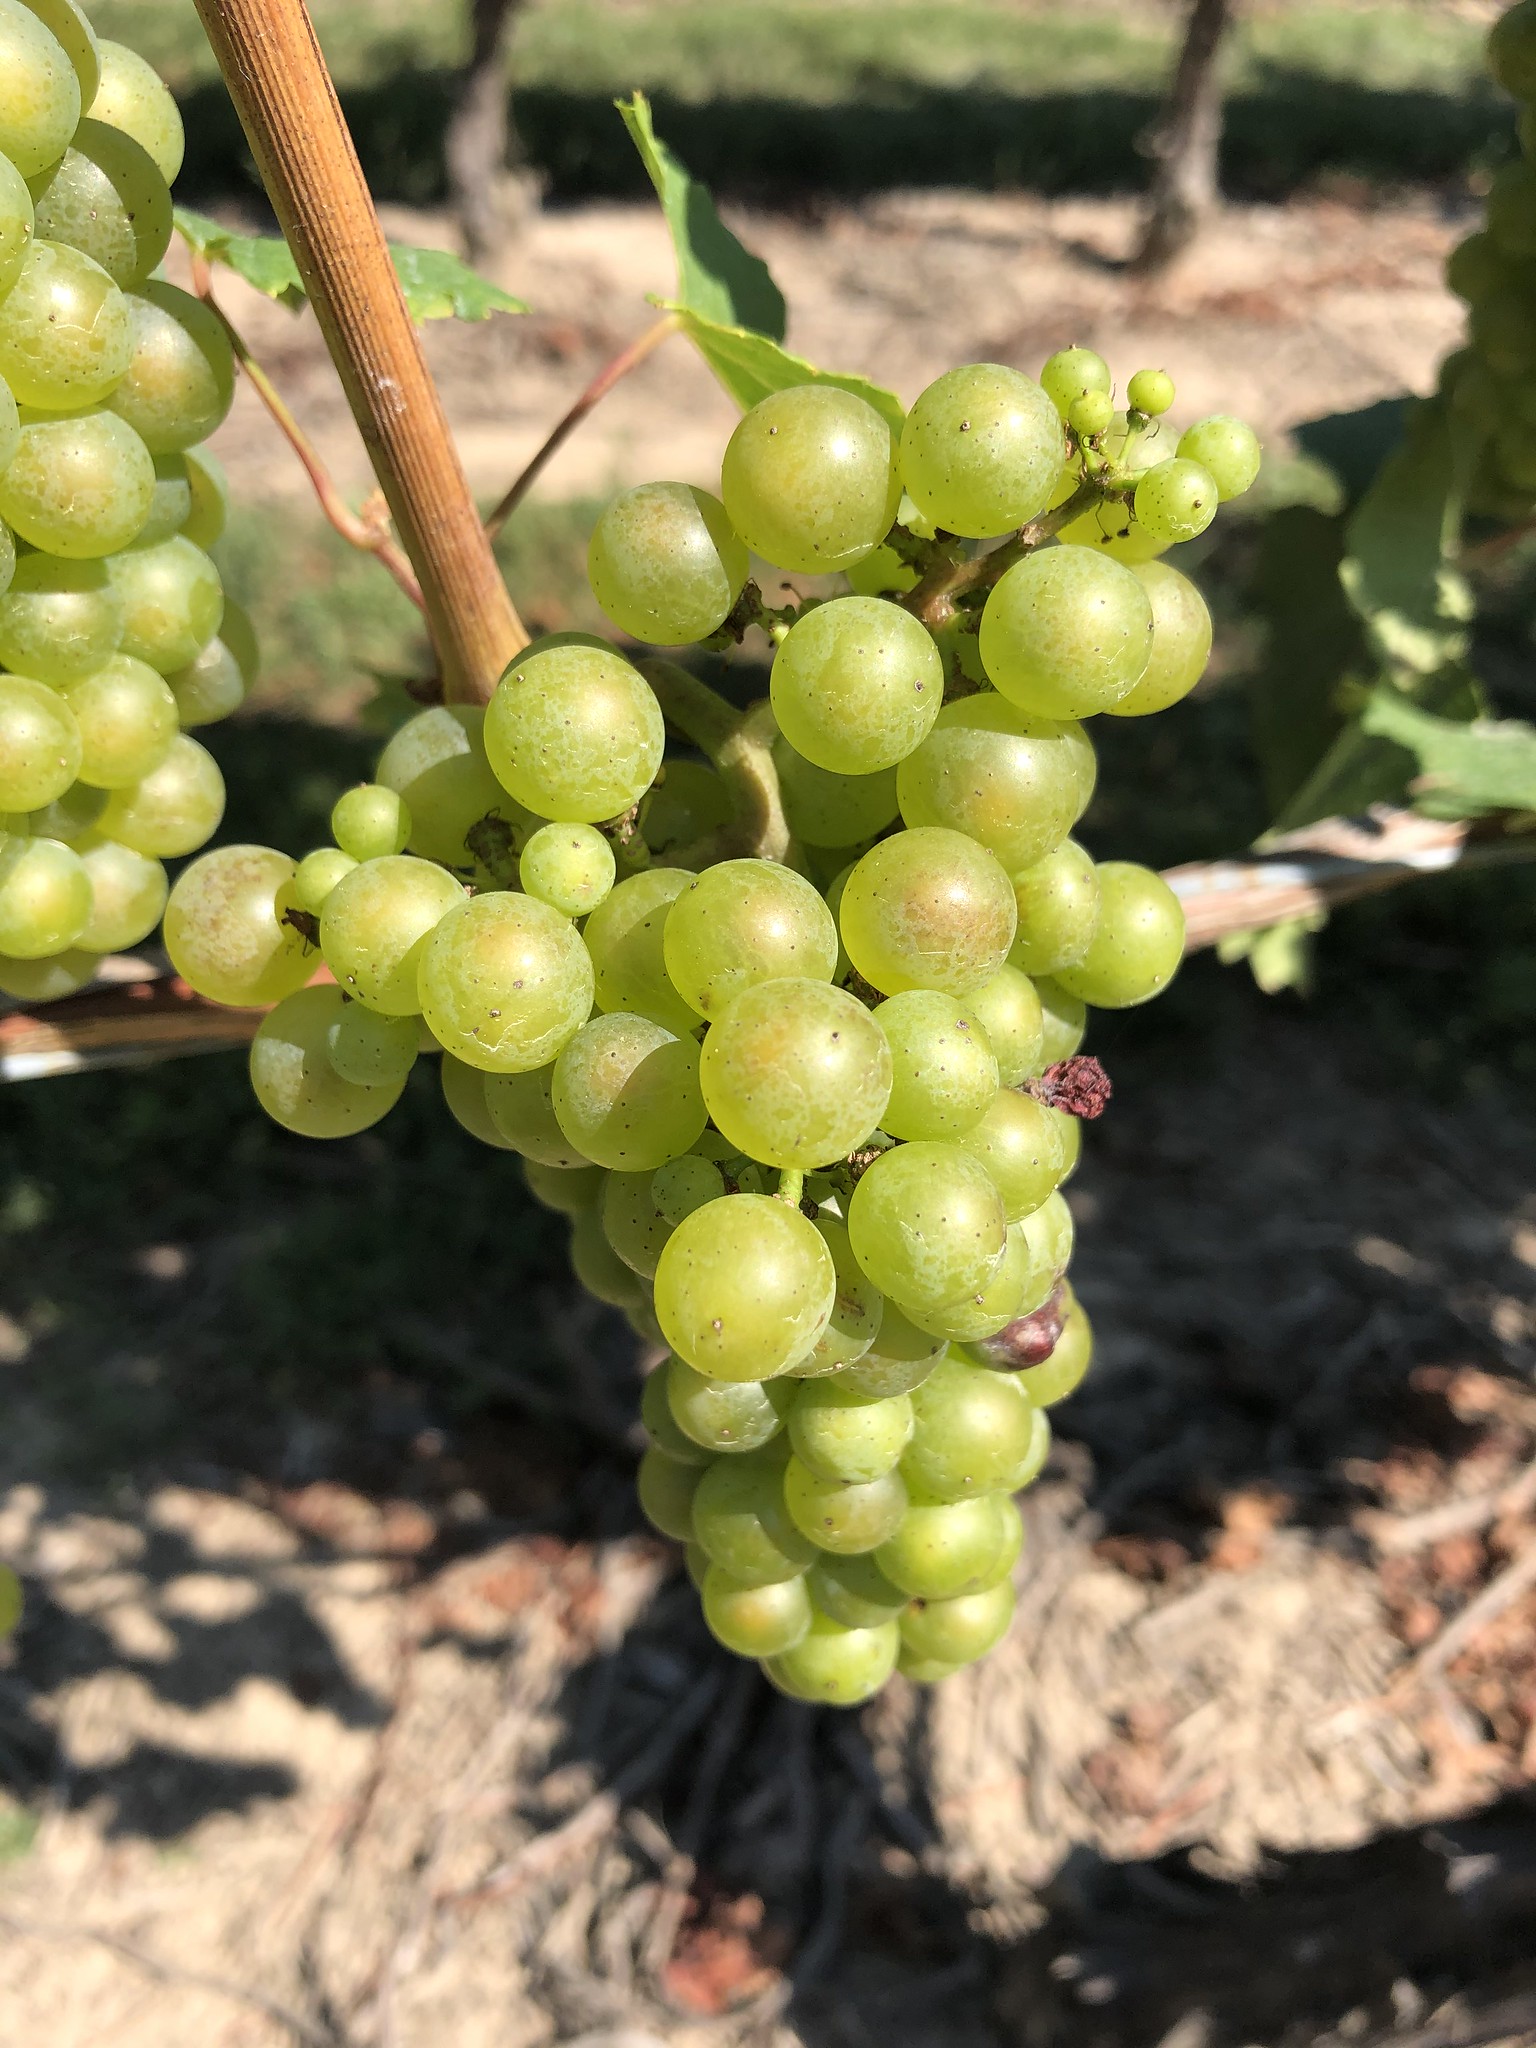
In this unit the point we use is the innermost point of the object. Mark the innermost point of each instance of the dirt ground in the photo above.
(377, 1758)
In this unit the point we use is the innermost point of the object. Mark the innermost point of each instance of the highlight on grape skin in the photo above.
(763, 1015)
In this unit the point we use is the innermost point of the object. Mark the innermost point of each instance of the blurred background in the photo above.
(353, 1705)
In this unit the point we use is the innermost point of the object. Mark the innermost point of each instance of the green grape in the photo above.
(626, 1092)
(1181, 642)
(375, 926)
(796, 1073)
(1136, 949)
(1150, 392)
(575, 734)
(1030, 1466)
(741, 1520)
(173, 602)
(68, 26)
(1008, 1010)
(853, 1591)
(958, 1631)
(836, 1667)
(927, 1224)
(741, 923)
(696, 1560)
(598, 1266)
(1071, 1134)
(844, 1436)
(1176, 500)
(656, 1412)
(106, 198)
(505, 981)
(1227, 449)
(370, 1049)
(625, 937)
(686, 801)
(1063, 1371)
(944, 1072)
(664, 564)
(212, 685)
(827, 809)
(981, 450)
(127, 720)
(809, 478)
(1066, 632)
(971, 1429)
(40, 747)
(744, 1288)
(569, 867)
(225, 929)
(1064, 1021)
(7, 557)
(73, 817)
(1019, 1284)
(1050, 1230)
(521, 1114)
(632, 1223)
(568, 1190)
(209, 490)
(292, 1074)
(317, 875)
(45, 897)
(39, 91)
(858, 1309)
(1109, 529)
(725, 1415)
(464, 1090)
(667, 1489)
(900, 1358)
(66, 337)
(683, 1185)
(856, 685)
(1013, 1539)
(132, 97)
(946, 1549)
(1017, 784)
(927, 908)
(180, 382)
(882, 573)
(170, 502)
(128, 896)
(841, 1517)
(924, 1670)
(370, 822)
(756, 1621)
(436, 761)
(48, 980)
(15, 228)
(1091, 415)
(79, 485)
(1058, 908)
(1016, 1140)
(1073, 373)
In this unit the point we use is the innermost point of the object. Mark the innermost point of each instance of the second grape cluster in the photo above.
(780, 1008)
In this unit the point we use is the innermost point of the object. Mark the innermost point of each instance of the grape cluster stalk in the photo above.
(116, 641)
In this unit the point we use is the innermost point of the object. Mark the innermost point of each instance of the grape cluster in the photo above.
(1489, 381)
(115, 637)
(806, 1113)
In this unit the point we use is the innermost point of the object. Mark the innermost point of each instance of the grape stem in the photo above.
(791, 1187)
(739, 746)
(368, 530)
(612, 373)
(949, 585)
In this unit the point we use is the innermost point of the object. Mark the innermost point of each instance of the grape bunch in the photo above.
(785, 1021)
(1491, 382)
(115, 638)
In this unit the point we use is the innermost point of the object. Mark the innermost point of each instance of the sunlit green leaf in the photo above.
(750, 366)
(1463, 769)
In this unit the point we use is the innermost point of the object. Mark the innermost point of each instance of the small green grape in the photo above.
(370, 1049)
(836, 1667)
(40, 745)
(844, 1436)
(127, 720)
(971, 1428)
(667, 1489)
(655, 1410)
(858, 1310)
(856, 684)
(225, 930)
(436, 762)
(664, 563)
(744, 1288)
(946, 1549)
(45, 897)
(170, 503)
(632, 1223)
(292, 1074)
(574, 733)
(1017, 1141)
(464, 1090)
(900, 1358)
(180, 381)
(66, 336)
(1059, 1375)
(1091, 415)
(958, 1631)
(1064, 1023)
(505, 982)
(841, 1517)
(79, 484)
(809, 478)
(981, 450)
(74, 817)
(50, 979)
(569, 867)
(128, 895)
(1016, 783)
(827, 809)
(626, 1092)
(756, 1621)
(173, 601)
(1138, 944)
(1066, 632)
(743, 923)
(1019, 1283)
(741, 1520)
(15, 224)
(726, 1415)
(568, 1190)
(1058, 910)
(106, 197)
(1177, 500)
(1074, 373)
(1150, 392)
(1181, 642)
(927, 908)
(796, 1073)
(375, 927)
(370, 822)
(687, 800)
(39, 91)
(1227, 449)
(625, 937)
(132, 97)
(1008, 1010)
(209, 489)
(212, 685)
(853, 1591)
(944, 1071)
(317, 875)
(927, 1224)
(683, 1185)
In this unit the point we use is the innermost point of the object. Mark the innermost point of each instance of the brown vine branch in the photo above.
(1186, 142)
(612, 373)
(371, 536)
(277, 78)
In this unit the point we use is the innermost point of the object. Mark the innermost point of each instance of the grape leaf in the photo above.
(716, 276)
(437, 285)
(1465, 769)
(1397, 569)
(1365, 765)
(750, 366)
